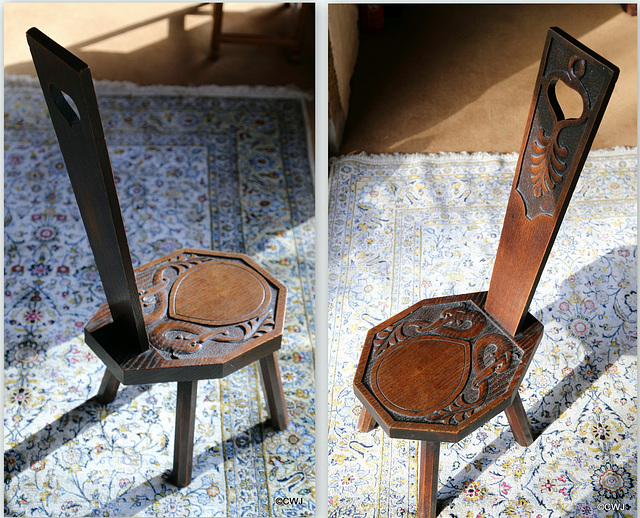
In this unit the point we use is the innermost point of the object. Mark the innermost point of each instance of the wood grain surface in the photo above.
(435, 396)
(553, 153)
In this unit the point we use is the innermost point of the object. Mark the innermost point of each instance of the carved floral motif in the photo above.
(546, 163)
(548, 159)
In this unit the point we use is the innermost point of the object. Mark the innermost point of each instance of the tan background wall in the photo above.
(461, 77)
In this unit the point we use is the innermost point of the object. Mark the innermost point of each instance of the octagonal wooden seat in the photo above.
(479, 367)
(190, 315)
(445, 366)
(205, 313)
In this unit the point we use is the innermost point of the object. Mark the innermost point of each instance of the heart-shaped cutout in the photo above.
(567, 102)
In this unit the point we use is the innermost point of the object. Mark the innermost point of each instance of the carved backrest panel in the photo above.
(552, 156)
(68, 90)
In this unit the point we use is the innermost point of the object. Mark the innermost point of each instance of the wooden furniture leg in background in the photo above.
(214, 52)
(273, 391)
(292, 43)
(296, 54)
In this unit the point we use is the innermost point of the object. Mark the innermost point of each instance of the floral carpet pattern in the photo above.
(192, 169)
(405, 228)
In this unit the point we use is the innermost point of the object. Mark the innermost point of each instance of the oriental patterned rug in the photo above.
(405, 228)
(199, 167)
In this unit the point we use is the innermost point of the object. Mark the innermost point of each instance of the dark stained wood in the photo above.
(519, 422)
(443, 367)
(189, 315)
(293, 42)
(366, 422)
(216, 30)
(83, 146)
(185, 426)
(273, 391)
(108, 388)
(428, 479)
(552, 156)
(186, 348)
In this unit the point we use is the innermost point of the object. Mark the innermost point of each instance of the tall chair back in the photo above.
(68, 90)
(552, 156)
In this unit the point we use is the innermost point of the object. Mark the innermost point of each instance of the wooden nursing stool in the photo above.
(189, 315)
(445, 366)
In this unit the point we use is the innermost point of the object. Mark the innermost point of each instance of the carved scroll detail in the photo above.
(185, 338)
(181, 338)
(457, 322)
(494, 358)
(492, 354)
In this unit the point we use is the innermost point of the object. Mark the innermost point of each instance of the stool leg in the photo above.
(185, 424)
(108, 388)
(519, 422)
(273, 391)
(366, 423)
(214, 51)
(428, 481)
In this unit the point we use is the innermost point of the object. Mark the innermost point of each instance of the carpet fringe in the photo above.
(464, 156)
(104, 86)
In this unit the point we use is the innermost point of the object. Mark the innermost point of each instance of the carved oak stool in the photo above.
(445, 366)
(190, 315)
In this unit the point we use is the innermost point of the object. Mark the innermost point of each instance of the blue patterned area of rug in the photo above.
(204, 168)
(405, 228)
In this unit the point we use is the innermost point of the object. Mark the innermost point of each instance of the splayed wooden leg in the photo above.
(519, 422)
(428, 479)
(366, 423)
(108, 388)
(273, 391)
(185, 425)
